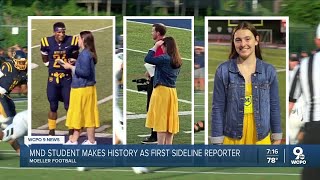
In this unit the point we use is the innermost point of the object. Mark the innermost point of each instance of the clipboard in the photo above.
(150, 68)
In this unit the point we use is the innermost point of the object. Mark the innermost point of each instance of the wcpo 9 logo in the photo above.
(298, 152)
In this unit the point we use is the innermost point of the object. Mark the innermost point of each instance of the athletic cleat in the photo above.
(87, 142)
(52, 132)
(140, 170)
(150, 140)
(71, 143)
(82, 169)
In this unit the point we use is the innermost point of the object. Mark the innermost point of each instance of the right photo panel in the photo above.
(246, 82)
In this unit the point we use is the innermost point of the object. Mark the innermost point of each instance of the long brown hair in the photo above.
(244, 25)
(172, 51)
(88, 43)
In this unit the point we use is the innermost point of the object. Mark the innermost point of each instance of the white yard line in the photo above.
(148, 135)
(143, 116)
(172, 172)
(140, 92)
(64, 133)
(173, 27)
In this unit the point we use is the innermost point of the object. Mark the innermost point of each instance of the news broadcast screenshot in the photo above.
(160, 89)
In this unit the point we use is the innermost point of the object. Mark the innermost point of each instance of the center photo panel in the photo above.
(159, 80)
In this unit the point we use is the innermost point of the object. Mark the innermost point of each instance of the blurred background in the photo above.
(304, 15)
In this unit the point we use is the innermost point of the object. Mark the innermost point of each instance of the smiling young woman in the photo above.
(245, 105)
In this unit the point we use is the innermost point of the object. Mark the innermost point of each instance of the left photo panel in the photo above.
(71, 77)
(13, 93)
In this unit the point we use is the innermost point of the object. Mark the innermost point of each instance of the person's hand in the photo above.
(158, 43)
(66, 65)
(276, 142)
(147, 75)
(72, 61)
(300, 136)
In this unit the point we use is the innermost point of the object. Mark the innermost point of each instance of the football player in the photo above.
(56, 50)
(16, 131)
(13, 73)
(119, 137)
(118, 123)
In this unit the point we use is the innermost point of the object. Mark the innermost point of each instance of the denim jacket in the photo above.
(83, 74)
(229, 97)
(164, 74)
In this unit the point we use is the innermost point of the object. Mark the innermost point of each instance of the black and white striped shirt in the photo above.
(306, 83)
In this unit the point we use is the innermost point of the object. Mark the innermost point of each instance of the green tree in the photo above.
(16, 12)
(304, 17)
(71, 9)
(306, 11)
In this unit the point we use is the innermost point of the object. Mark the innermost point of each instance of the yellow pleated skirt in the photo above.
(83, 108)
(163, 110)
(249, 135)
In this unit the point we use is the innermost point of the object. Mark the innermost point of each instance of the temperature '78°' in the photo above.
(272, 160)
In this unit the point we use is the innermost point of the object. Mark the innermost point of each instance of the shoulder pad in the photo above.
(9, 66)
(44, 41)
(74, 41)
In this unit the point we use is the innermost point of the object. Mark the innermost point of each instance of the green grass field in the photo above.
(276, 57)
(199, 137)
(102, 31)
(139, 38)
(21, 105)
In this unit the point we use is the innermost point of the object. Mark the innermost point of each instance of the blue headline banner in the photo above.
(45, 155)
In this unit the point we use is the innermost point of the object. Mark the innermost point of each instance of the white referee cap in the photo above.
(318, 32)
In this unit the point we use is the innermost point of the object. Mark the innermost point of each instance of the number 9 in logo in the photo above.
(298, 151)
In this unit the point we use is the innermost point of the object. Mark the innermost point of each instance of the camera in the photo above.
(141, 81)
(142, 84)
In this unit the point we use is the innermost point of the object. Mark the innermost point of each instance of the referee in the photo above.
(306, 83)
